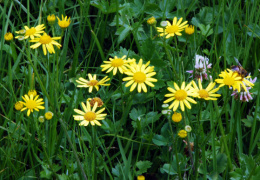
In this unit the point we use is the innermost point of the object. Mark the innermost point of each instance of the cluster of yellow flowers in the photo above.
(32, 102)
(37, 34)
(139, 75)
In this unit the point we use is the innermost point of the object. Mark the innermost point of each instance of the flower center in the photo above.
(30, 104)
(172, 29)
(90, 116)
(92, 82)
(180, 95)
(229, 81)
(45, 39)
(203, 93)
(139, 77)
(30, 31)
(117, 62)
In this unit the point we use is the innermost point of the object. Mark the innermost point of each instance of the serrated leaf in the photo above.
(143, 166)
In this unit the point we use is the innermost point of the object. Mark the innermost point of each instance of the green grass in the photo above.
(135, 138)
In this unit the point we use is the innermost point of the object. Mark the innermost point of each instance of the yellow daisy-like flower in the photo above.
(32, 103)
(245, 82)
(116, 63)
(8, 36)
(176, 117)
(141, 75)
(208, 93)
(141, 177)
(180, 96)
(189, 30)
(231, 79)
(89, 115)
(64, 23)
(173, 29)
(47, 42)
(48, 115)
(18, 105)
(30, 32)
(32, 92)
(51, 19)
(182, 134)
(92, 82)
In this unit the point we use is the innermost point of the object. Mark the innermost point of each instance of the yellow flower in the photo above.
(176, 117)
(32, 92)
(30, 32)
(208, 93)
(94, 100)
(180, 96)
(18, 105)
(189, 30)
(8, 36)
(116, 63)
(231, 79)
(47, 42)
(151, 21)
(48, 115)
(89, 116)
(51, 19)
(171, 29)
(32, 103)
(64, 23)
(92, 82)
(182, 134)
(140, 74)
(245, 82)
(141, 177)
(41, 119)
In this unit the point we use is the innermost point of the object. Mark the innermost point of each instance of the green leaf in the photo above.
(136, 113)
(248, 122)
(159, 140)
(123, 32)
(143, 166)
(168, 169)
(221, 162)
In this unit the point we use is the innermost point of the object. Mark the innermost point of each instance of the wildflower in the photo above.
(230, 79)
(116, 63)
(189, 30)
(140, 76)
(201, 67)
(92, 82)
(188, 128)
(244, 96)
(41, 119)
(182, 134)
(173, 29)
(8, 36)
(151, 21)
(18, 105)
(141, 177)
(180, 96)
(163, 24)
(164, 106)
(48, 115)
(32, 92)
(51, 19)
(30, 32)
(94, 100)
(32, 103)
(89, 116)
(208, 93)
(176, 117)
(165, 112)
(47, 42)
(64, 23)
